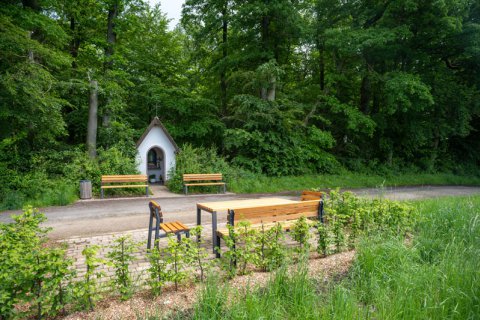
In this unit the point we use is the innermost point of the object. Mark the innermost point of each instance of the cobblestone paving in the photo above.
(138, 267)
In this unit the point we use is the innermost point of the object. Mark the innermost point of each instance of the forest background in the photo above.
(255, 88)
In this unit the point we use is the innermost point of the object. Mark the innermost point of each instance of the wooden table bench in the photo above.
(218, 206)
(119, 181)
(210, 179)
(269, 216)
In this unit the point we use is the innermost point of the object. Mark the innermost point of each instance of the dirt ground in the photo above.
(97, 217)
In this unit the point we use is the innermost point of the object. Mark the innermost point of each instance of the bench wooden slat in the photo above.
(118, 181)
(205, 184)
(205, 180)
(124, 180)
(287, 217)
(309, 208)
(178, 225)
(166, 227)
(311, 195)
(197, 177)
(125, 186)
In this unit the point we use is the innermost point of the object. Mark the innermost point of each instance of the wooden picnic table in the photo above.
(214, 207)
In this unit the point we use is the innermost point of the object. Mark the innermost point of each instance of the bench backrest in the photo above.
(311, 195)
(156, 210)
(124, 178)
(276, 213)
(203, 177)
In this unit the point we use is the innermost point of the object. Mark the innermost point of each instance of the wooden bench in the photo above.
(268, 216)
(107, 182)
(210, 179)
(176, 227)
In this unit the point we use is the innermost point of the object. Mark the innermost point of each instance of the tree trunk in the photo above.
(111, 34)
(365, 95)
(272, 89)
(74, 43)
(92, 120)
(223, 76)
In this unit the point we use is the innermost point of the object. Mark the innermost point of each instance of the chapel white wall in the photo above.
(156, 137)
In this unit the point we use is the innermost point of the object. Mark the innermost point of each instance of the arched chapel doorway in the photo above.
(156, 165)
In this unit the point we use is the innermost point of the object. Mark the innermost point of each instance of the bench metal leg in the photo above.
(157, 231)
(185, 190)
(147, 191)
(225, 188)
(214, 230)
(101, 192)
(149, 243)
(217, 253)
(199, 221)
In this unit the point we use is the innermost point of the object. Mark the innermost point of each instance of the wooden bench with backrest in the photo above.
(267, 217)
(120, 181)
(175, 227)
(200, 179)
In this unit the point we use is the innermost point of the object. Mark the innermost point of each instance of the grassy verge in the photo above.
(435, 276)
(263, 184)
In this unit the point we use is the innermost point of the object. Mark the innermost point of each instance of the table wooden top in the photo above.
(238, 204)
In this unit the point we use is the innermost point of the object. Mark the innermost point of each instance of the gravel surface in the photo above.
(171, 301)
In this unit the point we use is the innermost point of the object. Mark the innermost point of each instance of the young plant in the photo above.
(176, 260)
(352, 236)
(195, 252)
(323, 239)
(339, 235)
(33, 275)
(158, 270)
(245, 246)
(86, 291)
(241, 249)
(121, 256)
(301, 233)
(229, 257)
(270, 250)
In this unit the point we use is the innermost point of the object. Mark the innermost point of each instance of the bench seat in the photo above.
(123, 181)
(200, 179)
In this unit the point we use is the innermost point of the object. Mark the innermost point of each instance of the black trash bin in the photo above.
(85, 189)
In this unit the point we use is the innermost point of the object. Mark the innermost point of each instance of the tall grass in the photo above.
(434, 276)
(264, 184)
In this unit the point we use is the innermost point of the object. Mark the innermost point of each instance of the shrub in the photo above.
(32, 274)
(301, 233)
(195, 252)
(176, 261)
(323, 239)
(241, 248)
(270, 249)
(121, 256)
(86, 291)
(158, 273)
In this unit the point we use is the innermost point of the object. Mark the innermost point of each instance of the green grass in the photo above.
(435, 276)
(263, 184)
(56, 193)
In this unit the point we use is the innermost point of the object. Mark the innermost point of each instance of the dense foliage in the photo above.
(277, 87)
